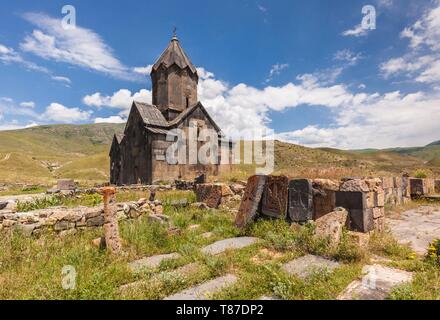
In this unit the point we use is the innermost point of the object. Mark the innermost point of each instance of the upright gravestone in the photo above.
(274, 202)
(300, 200)
(251, 200)
(361, 216)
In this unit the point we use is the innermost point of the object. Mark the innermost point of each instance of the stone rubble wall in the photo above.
(363, 198)
(68, 220)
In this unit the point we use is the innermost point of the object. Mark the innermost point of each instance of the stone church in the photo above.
(139, 154)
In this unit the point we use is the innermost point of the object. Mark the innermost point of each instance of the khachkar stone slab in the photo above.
(300, 208)
(151, 262)
(205, 290)
(437, 186)
(324, 196)
(307, 265)
(361, 216)
(417, 187)
(229, 244)
(274, 202)
(250, 201)
(376, 284)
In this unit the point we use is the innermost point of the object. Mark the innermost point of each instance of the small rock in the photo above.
(3, 204)
(9, 223)
(99, 243)
(63, 225)
(158, 209)
(174, 231)
(194, 227)
(66, 233)
(207, 235)
(199, 205)
(331, 225)
(53, 191)
(237, 188)
(95, 222)
(142, 201)
(27, 229)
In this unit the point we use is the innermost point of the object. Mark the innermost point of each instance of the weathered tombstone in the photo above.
(417, 187)
(361, 217)
(251, 200)
(300, 200)
(437, 186)
(200, 179)
(274, 202)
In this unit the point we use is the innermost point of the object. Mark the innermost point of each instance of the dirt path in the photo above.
(417, 227)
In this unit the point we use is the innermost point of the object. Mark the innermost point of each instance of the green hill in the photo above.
(45, 153)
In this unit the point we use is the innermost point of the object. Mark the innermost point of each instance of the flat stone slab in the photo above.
(307, 265)
(151, 262)
(226, 244)
(417, 228)
(205, 290)
(186, 271)
(376, 284)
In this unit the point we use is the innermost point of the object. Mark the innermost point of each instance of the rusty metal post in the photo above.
(111, 228)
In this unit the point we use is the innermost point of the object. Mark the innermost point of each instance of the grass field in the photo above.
(31, 268)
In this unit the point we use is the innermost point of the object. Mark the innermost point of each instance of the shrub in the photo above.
(421, 174)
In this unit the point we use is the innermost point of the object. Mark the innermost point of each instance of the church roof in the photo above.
(174, 54)
(150, 114)
(153, 118)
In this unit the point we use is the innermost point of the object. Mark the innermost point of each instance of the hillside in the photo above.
(46, 153)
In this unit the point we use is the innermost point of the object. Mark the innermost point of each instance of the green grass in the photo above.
(31, 268)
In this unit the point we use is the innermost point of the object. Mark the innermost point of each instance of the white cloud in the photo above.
(145, 71)
(60, 113)
(357, 31)
(62, 79)
(77, 46)
(121, 99)
(111, 119)
(421, 62)
(9, 55)
(27, 104)
(276, 70)
(347, 56)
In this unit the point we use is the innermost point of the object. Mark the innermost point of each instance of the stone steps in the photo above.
(376, 284)
(152, 262)
(305, 266)
(229, 244)
(205, 290)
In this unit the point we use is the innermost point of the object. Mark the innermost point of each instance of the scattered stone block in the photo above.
(27, 229)
(251, 200)
(229, 244)
(152, 262)
(3, 204)
(331, 226)
(66, 184)
(437, 186)
(275, 197)
(64, 225)
(237, 188)
(376, 284)
(300, 200)
(305, 266)
(95, 222)
(66, 233)
(355, 185)
(360, 238)
(199, 205)
(212, 194)
(205, 290)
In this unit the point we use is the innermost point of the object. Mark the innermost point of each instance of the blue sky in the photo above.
(305, 69)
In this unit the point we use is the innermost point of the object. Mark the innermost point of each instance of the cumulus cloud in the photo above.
(357, 31)
(58, 112)
(122, 99)
(27, 104)
(145, 71)
(421, 63)
(111, 119)
(276, 70)
(77, 46)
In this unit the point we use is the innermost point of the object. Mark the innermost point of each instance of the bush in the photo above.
(421, 174)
